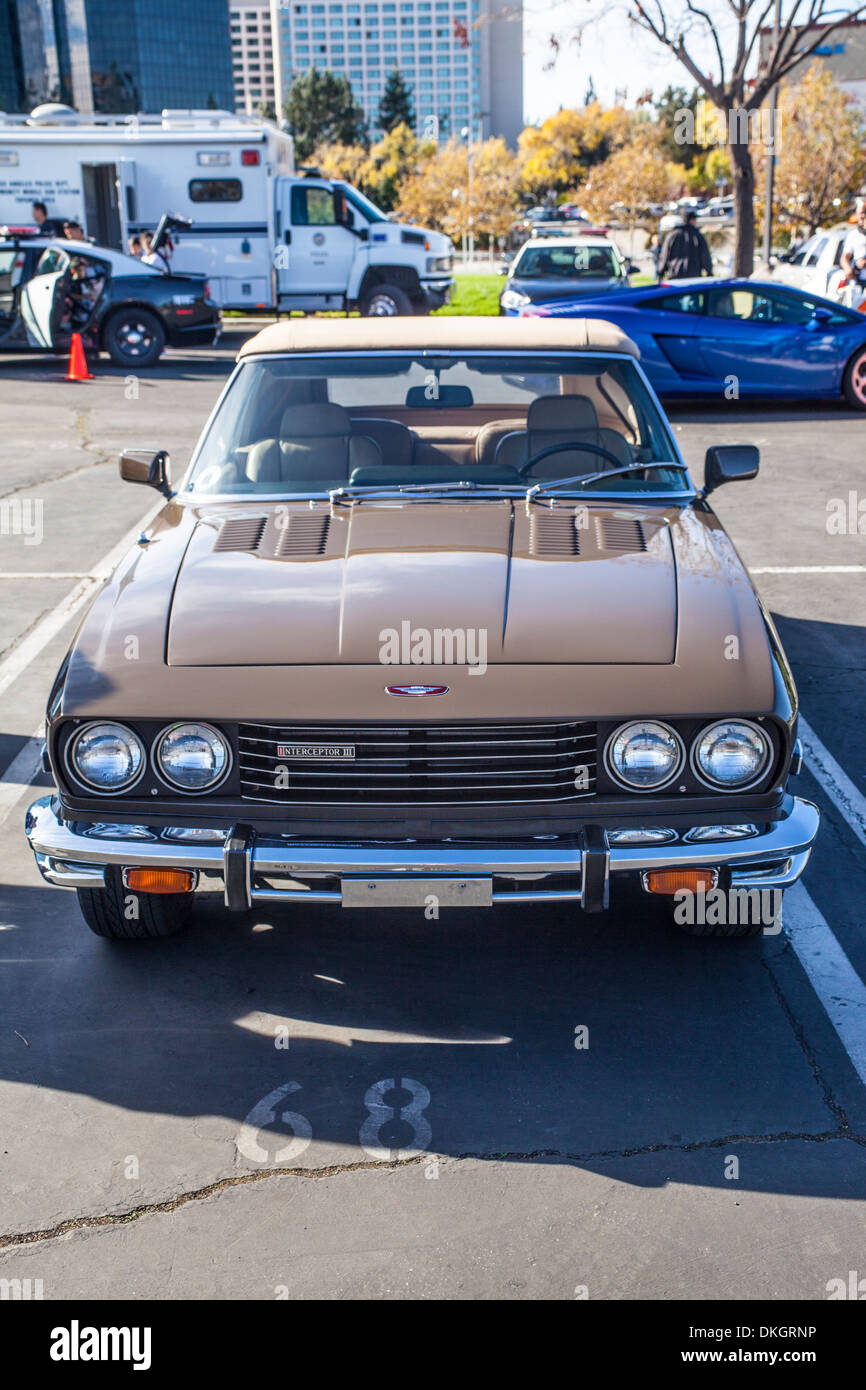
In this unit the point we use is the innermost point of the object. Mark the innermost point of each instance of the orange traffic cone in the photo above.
(77, 361)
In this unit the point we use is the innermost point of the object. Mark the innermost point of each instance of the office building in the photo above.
(252, 55)
(842, 53)
(115, 55)
(461, 58)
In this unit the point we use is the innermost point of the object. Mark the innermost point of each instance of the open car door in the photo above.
(41, 298)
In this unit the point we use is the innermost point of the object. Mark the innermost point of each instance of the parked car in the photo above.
(671, 219)
(815, 265)
(51, 288)
(435, 616)
(549, 268)
(718, 212)
(696, 336)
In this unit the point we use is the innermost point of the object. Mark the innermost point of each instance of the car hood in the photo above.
(541, 290)
(528, 587)
(226, 611)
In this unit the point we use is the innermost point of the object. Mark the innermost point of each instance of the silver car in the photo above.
(816, 266)
(549, 268)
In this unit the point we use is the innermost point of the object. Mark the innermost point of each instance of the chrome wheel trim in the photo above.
(133, 338)
(382, 306)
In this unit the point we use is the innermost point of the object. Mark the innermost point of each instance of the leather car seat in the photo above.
(316, 445)
(487, 440)
(395, 440)
(562, 420)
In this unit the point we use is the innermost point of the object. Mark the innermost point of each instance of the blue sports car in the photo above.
(736, 338)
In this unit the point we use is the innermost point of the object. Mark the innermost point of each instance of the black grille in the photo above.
(417, 765)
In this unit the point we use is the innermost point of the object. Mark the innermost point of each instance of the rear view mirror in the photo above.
(434, 396)
(730, 463)
(148, 468)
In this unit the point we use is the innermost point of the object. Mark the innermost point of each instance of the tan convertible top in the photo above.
(448, 333)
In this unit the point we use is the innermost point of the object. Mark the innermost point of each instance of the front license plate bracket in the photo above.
(369, 891)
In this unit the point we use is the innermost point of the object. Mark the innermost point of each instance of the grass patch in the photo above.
(474, 294)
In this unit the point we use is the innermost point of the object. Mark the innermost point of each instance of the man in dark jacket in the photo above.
(685, 253)
(47, 226)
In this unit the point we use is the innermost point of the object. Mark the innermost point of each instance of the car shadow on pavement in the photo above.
(712, 409)
(531, 1032)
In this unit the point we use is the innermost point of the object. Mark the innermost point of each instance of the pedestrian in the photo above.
(159, 258)
(73, 231)
(854, 258)
(685, 254)
(135, 247)
(655, 250)
(47, 226)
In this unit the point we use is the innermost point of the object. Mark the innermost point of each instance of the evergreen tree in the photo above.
(672, 101)
(321, 109)
(396, 108)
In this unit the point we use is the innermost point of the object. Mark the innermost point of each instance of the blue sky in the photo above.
(614, 52)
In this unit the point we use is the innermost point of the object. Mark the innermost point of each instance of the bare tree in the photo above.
(732, 28)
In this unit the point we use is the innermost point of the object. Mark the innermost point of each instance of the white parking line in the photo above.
(42, 574)
(19, 775)
(831, 974)
(836, 783)
(47, 628)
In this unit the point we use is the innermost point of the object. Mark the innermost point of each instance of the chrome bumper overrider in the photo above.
(254, 867)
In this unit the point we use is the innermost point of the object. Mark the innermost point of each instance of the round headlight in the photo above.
(731, 754)
(106, 757)
(645, 755)
(192, 757)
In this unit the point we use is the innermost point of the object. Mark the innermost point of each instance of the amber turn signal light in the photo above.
(680, 880)
(160, 880)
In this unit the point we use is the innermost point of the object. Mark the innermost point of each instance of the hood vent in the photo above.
(553, 534)
(304, 533)
(240, 533)
(621, 535)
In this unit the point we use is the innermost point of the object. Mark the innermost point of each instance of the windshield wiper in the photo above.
(359, 493)
(583, 478)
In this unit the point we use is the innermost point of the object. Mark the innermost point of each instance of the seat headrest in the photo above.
(561, 413)
(314, 421)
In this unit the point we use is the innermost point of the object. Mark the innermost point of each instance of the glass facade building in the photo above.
(153, 54)
(115, 55)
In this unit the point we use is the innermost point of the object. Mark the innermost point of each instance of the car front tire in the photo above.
(731, 929)
(134, 338)
(854, 380)
(120, 914)
(386, 301)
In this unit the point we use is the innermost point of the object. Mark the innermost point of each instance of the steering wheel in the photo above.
(574, 448)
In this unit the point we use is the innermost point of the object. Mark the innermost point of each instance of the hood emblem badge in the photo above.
(415, 690)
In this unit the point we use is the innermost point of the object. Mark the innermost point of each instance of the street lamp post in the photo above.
(771, 154)
(466, 132)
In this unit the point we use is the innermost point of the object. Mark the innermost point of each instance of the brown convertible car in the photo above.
(435, 617)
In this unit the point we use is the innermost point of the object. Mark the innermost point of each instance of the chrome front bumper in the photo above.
(255, 868)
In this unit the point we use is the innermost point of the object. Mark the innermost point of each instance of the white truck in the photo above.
(267, 237)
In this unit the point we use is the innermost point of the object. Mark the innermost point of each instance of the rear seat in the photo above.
(395, 440)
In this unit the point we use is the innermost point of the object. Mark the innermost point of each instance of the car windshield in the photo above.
(363, 204)
(567, 262)
(290, 426)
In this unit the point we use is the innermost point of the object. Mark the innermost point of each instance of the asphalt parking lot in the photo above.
(438, 1131)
